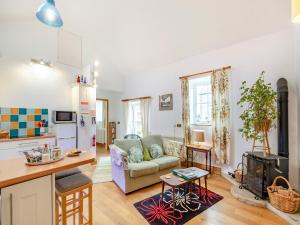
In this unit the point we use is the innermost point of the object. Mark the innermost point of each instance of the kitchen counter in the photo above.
(28, 192)
(15, 171)
(25, 138)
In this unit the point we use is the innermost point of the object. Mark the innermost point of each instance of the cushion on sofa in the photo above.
(147, 156)
(135, 154)
(166, 162)
(156, 151)
(150, 140)
(142, 169)
(126, 144)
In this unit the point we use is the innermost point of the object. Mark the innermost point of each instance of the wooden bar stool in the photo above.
(70, 194)
(67, 173)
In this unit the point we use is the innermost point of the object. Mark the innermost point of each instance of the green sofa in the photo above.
(133, 176)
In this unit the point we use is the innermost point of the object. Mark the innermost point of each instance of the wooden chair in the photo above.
(69, 197)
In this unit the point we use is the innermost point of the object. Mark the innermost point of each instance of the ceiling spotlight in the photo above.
(96, 63)
(41, 62)
(96, 74)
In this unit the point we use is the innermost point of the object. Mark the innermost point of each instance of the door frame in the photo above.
(107, 115)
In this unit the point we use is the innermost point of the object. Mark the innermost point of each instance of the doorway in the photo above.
(102, 107)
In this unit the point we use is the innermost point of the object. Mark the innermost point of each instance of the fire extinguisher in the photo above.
(94, 140)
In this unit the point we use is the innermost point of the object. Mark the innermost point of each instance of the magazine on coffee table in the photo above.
(187, 174)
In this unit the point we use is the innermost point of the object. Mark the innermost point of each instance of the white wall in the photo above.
(115, 108)
(26, 85)
(272, 53)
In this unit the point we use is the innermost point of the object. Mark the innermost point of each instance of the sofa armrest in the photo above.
(174, 148)
(119, 157)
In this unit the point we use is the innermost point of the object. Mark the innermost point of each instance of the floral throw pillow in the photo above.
(135, 154)
(156, 151)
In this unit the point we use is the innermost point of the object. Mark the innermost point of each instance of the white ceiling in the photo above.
(129, 36)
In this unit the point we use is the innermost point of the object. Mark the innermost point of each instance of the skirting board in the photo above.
(214, 169)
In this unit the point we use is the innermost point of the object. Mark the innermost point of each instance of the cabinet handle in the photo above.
(29, 143)
(11, 209)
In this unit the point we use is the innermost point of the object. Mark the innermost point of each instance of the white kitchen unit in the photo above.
(66, 135)
(11, 148)
(28, 203)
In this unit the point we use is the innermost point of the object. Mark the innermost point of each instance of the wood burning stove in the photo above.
(261, 171)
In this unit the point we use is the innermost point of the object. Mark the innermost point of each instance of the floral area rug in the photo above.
(160, 212)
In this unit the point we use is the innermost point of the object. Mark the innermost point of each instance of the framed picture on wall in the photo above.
(166, 102)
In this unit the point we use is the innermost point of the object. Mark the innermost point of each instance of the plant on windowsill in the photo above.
(260, 112)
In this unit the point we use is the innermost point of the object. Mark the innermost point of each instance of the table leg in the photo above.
(206, 164)
(205, 180)
(174, 201)
(187, 157)
(192, 158)
(210, 162)
(185, 192)
(162, 190)
(200, 188)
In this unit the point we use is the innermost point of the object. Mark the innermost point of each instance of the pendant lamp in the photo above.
(49, 15)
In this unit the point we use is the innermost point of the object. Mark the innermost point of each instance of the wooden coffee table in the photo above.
(176, 182)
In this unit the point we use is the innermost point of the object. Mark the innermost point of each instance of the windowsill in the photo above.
(201, 124)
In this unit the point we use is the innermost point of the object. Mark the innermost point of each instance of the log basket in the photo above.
(286, 200)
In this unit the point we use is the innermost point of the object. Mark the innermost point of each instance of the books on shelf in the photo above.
(186, 174)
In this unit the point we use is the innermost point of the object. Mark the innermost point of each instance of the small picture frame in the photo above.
(165, 102)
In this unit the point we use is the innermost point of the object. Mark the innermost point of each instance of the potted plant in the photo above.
(260, 112)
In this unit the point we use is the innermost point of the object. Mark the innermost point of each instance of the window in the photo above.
(134, 118)
(200, 100)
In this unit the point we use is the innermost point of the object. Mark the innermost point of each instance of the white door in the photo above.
(28, 203)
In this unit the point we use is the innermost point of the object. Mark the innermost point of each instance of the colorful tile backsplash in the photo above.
(22, 121)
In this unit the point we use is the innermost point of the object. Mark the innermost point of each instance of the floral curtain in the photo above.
(185, 110)
(126, 116)
(145, 105)
(221, 116)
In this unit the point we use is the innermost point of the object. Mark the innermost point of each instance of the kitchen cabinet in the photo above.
(28, 203)
(12, 149)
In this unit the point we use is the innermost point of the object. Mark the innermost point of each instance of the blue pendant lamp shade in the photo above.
(49, 15)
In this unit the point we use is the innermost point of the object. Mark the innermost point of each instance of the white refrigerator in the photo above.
(66, 135)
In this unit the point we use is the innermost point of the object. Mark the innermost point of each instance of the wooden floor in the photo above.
(111, 206)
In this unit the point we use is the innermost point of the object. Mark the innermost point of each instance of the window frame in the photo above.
(195, 103)
(132, 127)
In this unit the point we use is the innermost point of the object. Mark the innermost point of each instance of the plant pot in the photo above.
(262, 126)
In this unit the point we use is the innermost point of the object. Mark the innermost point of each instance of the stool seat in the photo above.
(66, 173)
(71, 182)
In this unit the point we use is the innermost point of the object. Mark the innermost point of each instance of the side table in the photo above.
(203, 148)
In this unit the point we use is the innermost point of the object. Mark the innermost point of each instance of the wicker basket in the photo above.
(284, 199)
(239, 173)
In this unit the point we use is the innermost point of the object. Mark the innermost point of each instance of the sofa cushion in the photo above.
(166, 162)
(142, 169)
(126, 144)
(156, 151)
(135, 154)
(150, 140)
(146, 153)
